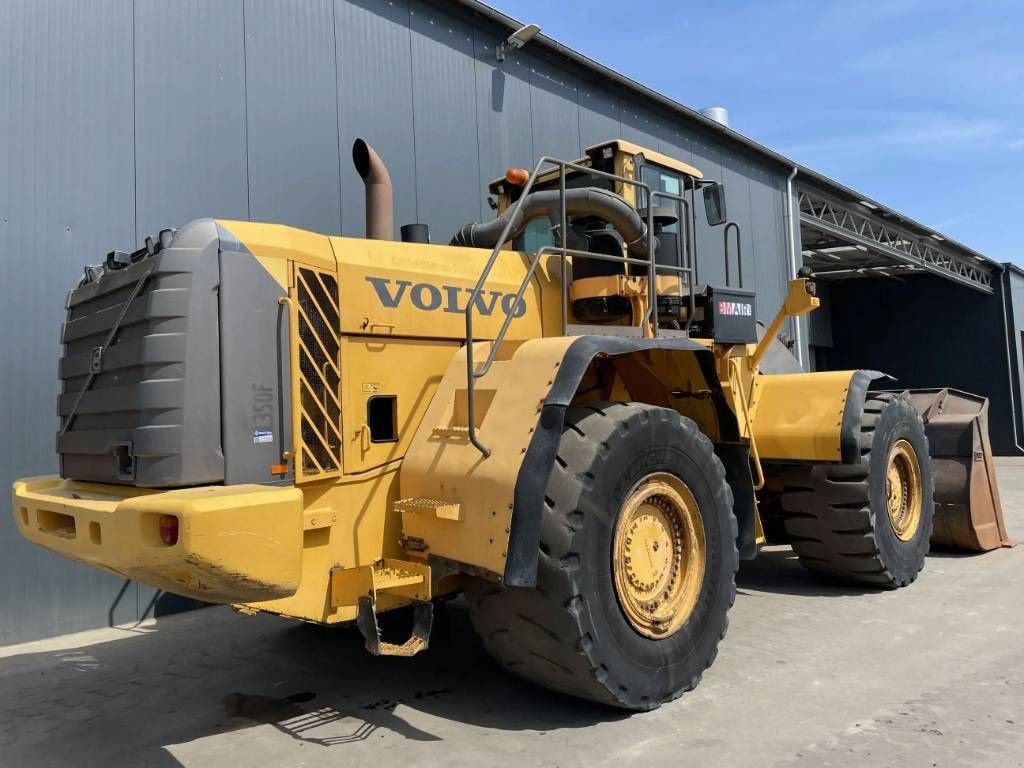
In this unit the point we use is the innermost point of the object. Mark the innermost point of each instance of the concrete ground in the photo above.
(811, 674)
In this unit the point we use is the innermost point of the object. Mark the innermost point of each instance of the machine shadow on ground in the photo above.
(208, 673)
(125, 701)
(777, 569)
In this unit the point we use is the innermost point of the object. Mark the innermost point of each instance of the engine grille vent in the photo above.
(319, 383)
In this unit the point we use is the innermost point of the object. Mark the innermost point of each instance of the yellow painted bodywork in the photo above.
(443, 465)
(787, 416)
(240, 542)
(368, 525)
(798, 416)
(630, 149)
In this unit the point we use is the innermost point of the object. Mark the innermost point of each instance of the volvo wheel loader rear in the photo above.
(549, 414)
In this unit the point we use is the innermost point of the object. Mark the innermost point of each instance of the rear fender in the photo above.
(663, 372)
(483, 516)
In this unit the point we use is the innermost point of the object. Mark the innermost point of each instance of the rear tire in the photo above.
(853, 521)
(572, 632)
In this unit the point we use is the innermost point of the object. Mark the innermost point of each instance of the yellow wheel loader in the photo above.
(549, 414)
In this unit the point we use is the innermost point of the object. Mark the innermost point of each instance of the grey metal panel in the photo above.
(503, 110)
(768, 241)
(292, 114)
(444, 89)
(599, 114)
(375, 101)
(65, 199)
(189, 112)
(707, 157)
(737, 197)
(1012, 284)
(639, 125)
(674, 141)
(255, 372)
(555, 110)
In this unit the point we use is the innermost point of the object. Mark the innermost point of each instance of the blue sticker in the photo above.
(262, 436)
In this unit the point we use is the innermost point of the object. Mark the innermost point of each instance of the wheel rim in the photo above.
(658, 555)
(903, 490)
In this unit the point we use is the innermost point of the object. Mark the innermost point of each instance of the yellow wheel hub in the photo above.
(904, 498)
(658, 555)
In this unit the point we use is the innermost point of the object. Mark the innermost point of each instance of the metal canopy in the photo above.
(849, 239)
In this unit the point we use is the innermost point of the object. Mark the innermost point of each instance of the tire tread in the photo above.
(827, 515)
(516, 624)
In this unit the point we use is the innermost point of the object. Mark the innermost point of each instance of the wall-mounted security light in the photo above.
(516, 40)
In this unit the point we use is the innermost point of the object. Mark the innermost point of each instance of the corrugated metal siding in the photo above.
(1012, 294)
(375, 100)
(554, 110)
(66, 191)
(503, 116)
(764, 244)
(124, 117)
(639, 125)
(599, 116)
(293, 152)
(444, 111)
(190, 93)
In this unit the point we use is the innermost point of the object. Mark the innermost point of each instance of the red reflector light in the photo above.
(169, 530)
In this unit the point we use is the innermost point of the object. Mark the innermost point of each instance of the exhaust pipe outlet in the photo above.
(380, 209)
(589, 201)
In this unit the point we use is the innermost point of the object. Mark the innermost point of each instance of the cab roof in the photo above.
(652, 156)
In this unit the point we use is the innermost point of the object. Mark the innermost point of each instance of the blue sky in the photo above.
(916, 103)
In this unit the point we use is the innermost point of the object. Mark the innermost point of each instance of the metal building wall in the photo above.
(1012, 294)
(123, 117)
(927, 331)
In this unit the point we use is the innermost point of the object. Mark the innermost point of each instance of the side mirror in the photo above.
(714, 204)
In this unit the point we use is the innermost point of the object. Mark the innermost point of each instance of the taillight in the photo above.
(169, 530)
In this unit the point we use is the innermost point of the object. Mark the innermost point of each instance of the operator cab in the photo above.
(614, 295)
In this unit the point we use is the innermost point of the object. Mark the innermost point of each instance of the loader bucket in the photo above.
(968, 513)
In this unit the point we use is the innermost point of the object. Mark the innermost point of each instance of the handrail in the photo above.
(477, 290)
(473, 373)
(739, 252)
(689, 250)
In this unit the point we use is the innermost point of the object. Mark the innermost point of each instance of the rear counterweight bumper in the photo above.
(238, 543)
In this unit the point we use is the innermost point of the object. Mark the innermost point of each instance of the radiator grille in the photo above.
(319, 375)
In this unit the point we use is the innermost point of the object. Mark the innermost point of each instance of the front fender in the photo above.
(811, 416)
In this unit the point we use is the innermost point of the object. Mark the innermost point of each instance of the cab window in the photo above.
(661, 180)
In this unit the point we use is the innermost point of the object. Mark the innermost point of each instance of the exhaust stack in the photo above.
(380, 212)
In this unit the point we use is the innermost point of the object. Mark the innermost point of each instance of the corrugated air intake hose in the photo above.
(589, 201)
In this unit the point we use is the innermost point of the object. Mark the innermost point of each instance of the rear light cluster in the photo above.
(169, 530)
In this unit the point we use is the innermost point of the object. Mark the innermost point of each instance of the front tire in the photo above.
(869, 523)
(634, 482)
